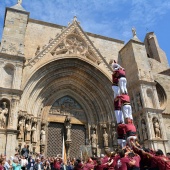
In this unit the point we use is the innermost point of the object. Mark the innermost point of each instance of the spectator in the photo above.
(31, 163)
(38, 165)
(25, 151)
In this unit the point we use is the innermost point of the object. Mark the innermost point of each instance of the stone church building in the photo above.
(56, 82)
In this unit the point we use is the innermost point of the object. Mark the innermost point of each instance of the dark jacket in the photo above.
(36, 166)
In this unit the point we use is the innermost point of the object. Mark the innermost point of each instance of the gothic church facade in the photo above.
(56, 81)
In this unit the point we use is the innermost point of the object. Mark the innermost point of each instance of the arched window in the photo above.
(161, 95)
(8, 76)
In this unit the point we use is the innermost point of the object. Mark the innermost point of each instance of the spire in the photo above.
(134, 35)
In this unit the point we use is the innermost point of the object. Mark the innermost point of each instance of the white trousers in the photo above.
(122, 84)
(131, 138)
(121, 142)
(127, 111)
(119, 116)
(116, 90)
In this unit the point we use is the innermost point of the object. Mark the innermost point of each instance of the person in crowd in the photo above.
(38, 165)
(6, 165)
(57, 163)
(78, 165)
(25, 151)
(47, 165)
(2, 162)
(16, 165)
(123, 162)
(88, 165)
(168, 155)
(23, 162)
(31, 163)
(99, 165)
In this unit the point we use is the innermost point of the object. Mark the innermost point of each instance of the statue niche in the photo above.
(3, 114)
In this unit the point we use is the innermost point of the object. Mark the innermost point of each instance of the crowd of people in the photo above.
(127, 158)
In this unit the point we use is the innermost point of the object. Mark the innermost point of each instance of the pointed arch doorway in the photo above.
(56, 130)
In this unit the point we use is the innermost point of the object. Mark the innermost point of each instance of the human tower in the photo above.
(126, 131)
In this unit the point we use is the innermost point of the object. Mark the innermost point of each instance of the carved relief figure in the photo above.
(138, 101)
(21, 128)
(43, 135)
(114, 136)
(105, 138)
(28, 131)
(68, 127)
(94, 139)
(144, 130)
(3, 115)
(156, 128)
(34, 133)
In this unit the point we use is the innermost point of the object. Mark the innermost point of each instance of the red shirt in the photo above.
(88, 166)
(105, 160)
(162, 162)
(128, 127)
(122, 163)
(120, 73)
(117, 104)
(115, 80)
(124, 98)
(121, 132)
(1, 167)
(137, 159)
(100, 167)
(57, 164)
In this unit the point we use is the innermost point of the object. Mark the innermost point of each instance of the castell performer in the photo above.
(115, 79)
(130, 130)
(121, 135)
(126, 107)
(118, 111)
(120, 74)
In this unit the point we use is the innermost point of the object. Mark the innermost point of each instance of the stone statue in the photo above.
(34, 133)
(28, 131)
(105, 138)
(68, 127)
(138, 101)
(3, 115)
(144, 130)
(19, 2)
(134, 32)
(114, 136)
(94, 139)
(43, 135)
(156, 128)
(21, 128)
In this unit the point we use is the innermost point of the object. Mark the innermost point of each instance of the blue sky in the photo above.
(112, 18)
